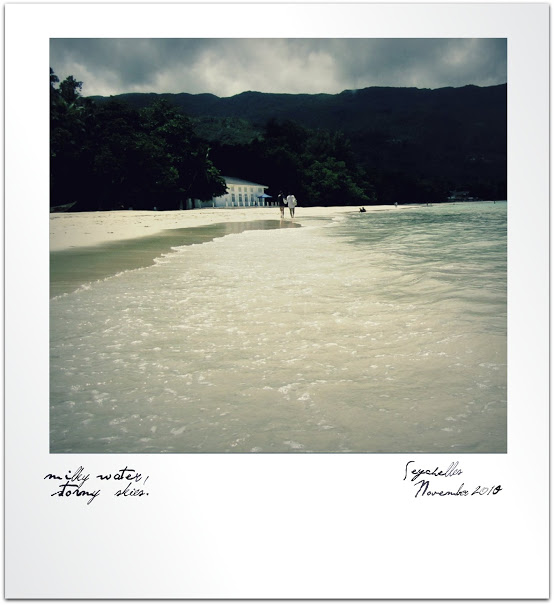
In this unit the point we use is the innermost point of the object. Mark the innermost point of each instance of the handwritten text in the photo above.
(79, 484)
(422, 484)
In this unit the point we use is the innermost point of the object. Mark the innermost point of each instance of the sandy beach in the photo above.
(84, 229)
(378, 332)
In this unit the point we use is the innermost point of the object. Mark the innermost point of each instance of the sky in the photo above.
(226, 67)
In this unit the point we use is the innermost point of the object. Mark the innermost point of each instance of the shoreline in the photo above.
(72, 230)
(71, 268)
(89, 246)
(69, 230)
(86, 247)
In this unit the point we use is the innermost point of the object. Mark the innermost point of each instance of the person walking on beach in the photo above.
(291, 203)
(281, 200)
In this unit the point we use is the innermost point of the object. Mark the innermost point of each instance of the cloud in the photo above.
(229, 66)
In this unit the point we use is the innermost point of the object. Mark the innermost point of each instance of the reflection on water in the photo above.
(73, 267)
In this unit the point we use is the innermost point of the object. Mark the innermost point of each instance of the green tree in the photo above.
(70, 90)
(181, 160)
(117, 167)
(319, 166)
(331, 184)
(70, 118)
(113, 156)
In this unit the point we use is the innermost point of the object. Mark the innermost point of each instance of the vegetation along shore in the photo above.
(360, 147)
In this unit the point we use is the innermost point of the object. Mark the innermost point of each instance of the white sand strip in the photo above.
(76, 229)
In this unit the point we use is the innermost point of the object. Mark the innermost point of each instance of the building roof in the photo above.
(236, 181)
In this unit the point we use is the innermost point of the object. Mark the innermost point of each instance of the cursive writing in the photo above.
(449, 472)
(419, 479)
(74, 484)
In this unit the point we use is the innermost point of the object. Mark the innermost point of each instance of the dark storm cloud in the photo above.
(424, 63)
(229, 66)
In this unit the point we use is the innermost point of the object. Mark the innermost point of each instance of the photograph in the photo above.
(278, 245)
(277, 301)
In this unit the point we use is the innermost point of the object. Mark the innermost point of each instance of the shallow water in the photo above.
(70, 268)
(376, 332)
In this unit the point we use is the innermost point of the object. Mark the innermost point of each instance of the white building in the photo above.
(240, 193)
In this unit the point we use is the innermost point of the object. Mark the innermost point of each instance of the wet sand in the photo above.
(80, 229)
(75, 266)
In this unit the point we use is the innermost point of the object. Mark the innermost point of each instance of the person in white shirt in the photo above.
(291, 203)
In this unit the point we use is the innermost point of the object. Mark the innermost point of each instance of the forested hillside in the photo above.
(413, 144)
(376, 145)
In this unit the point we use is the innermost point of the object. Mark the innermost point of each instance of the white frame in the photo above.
(275, 526)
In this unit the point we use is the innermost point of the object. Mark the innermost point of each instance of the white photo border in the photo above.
(275, 526)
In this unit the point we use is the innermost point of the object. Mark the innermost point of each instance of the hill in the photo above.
(452, 138)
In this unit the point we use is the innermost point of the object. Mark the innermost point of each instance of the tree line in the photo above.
(412, 145)
(113, 156)
(317, 166)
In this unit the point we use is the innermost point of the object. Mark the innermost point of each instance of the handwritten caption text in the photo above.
(421, 479)
(79, 484)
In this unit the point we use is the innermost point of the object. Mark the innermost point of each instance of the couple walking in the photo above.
(290, 201)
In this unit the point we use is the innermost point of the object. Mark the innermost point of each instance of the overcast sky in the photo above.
(226, 67)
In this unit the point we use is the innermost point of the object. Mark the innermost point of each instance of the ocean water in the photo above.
(375, 332)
